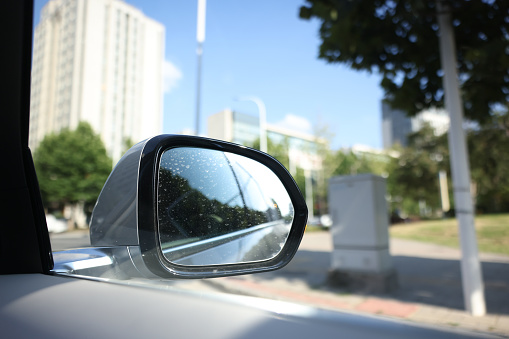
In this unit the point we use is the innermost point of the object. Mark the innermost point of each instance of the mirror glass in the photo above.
(217, 208)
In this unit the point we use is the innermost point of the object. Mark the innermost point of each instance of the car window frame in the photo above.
(24, 239)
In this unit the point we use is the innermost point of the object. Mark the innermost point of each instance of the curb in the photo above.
(362, 304)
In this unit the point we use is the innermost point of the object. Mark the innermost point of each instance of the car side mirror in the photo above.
(190, 207)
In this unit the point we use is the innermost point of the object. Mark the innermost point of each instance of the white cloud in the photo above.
(295, 122)
(172, 75)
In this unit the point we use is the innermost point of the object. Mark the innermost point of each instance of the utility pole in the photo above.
(200, 38)
(473, 288)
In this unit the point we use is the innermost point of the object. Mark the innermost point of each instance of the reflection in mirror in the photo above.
(217, 207)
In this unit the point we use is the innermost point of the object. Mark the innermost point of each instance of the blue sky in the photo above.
(261, 48)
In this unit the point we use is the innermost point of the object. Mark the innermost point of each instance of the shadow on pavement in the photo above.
(434, 282)
(438, 282)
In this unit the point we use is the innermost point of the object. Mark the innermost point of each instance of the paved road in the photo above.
(429, 285)
(68, 240)
(427, 273)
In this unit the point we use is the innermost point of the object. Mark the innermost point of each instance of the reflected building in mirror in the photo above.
(99, 61)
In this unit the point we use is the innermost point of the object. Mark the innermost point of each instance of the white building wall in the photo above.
(92, 87)
(74, 18)
(100, 61)
(220, 125)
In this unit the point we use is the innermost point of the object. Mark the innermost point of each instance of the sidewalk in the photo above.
(429, 285)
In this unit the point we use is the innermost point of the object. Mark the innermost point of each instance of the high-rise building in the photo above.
(396, 125)
(99, 61)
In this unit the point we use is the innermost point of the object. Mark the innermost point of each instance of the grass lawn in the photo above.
(313, 228)
(492, 232)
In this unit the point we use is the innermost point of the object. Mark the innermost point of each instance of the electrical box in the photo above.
(360, 224)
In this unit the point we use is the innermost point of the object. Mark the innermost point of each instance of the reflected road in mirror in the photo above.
(217, 207)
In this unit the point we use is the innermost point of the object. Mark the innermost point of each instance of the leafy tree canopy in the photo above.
(399, 39)
(413, 176)
(489, 168)
(278, 150)
(347, 162)
(71, 166)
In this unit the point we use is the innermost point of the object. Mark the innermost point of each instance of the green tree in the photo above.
(413, 176)
(278, 150)
(399, 39)
(128, 143)
(348, 163)
(72, 167)
(489, 159)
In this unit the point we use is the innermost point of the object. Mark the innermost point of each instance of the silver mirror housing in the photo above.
(191, 207)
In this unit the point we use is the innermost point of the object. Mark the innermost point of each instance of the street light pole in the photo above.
(263, 120)
(473, 288)
(200, 38)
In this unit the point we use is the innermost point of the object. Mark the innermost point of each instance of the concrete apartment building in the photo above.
(99, 61)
